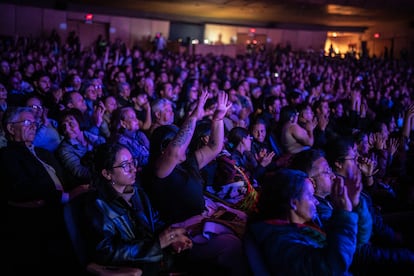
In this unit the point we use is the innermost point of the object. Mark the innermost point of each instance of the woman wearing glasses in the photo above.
(126, 229)
(373, 255)
(283, 231)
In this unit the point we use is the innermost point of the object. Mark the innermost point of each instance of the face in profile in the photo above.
(23, 129)
(305, 206)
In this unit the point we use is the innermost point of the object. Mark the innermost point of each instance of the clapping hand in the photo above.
(99, 113)
(354, 186)
(264, 158)
(339, 195)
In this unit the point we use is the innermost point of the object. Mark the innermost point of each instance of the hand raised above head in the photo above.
(223, 105)
(198, 112)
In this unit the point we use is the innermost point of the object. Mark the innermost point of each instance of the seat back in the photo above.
(254, 257)
(76, 225)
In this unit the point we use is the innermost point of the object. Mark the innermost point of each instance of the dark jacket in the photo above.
(124, 234)
(23, 176)
(371, 258)
(34, 210)
(301, 249)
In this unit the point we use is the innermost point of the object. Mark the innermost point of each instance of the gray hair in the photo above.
(12, 114)
(159, 105)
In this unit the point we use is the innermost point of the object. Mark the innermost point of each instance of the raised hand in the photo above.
(223, 105)
(393, 144)
(198, 112)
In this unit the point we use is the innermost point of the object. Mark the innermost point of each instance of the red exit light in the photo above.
(89, 17)
(377, 35)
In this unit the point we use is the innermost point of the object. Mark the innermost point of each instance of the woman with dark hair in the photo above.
(177, 189)
(239, 144)
(265, 142)
(283, 232)
(73, 149)
(126, 229)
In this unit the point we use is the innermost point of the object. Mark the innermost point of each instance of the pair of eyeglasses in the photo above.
(26, 123)
(36, 107)
(98, 86)
(127, 166)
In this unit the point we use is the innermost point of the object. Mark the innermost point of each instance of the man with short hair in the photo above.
(162, 114)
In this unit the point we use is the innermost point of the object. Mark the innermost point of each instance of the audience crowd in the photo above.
(298, 161)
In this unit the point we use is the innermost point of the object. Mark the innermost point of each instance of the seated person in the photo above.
(264, 142)
(369, 258)
(47, 135)
(162, 114)
(33, 193)
(125, 131)
(126, 229)
(74, 147)
(282, 228)
(293, 137)
(239, 144)
(222, 177)
(176, 187)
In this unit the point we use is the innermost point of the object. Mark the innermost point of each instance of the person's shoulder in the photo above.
(11, 148)
(94, 138)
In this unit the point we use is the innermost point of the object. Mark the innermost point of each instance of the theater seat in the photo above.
(254, 257)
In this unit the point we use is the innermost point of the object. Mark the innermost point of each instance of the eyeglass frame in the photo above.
(126, 166)
(26, 123)
(37, 107)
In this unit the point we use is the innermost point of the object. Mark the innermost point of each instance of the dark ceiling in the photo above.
(266, 13)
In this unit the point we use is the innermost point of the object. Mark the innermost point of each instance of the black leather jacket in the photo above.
(125, 235)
